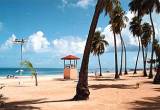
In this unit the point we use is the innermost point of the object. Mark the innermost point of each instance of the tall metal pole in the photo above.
(21, 52)
(20, 42)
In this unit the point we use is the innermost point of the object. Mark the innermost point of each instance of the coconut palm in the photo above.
(136, 7)
(136, 29)
(119, 20)
(82, 91)
(143, 7)
(98, 46)
(109, 6)
(148, 6)
(145, 40)
(29, 65)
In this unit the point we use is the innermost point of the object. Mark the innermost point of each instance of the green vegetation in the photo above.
(29, 65)
(98, 46)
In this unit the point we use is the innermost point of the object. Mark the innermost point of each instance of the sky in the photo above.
(56, 28)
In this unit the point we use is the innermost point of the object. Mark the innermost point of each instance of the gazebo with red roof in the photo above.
(70, 71)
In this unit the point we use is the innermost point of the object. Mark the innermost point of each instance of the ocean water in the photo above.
(41, 71)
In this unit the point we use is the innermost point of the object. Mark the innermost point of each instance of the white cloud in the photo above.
(9, 42)
(130, 41)
(99, 29)
(109, 37)
(126, 34)
(84, 3)
(68, 45)
(65, 2)
(78, 3)
(37, 42)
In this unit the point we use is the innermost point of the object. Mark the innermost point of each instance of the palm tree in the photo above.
(29, 65)
(148, 6)
(119, 20)
(145, 40)
(136, 29)
(98, 46)
(157, 51)
(82, 91)
(109, 6)
(136, 7)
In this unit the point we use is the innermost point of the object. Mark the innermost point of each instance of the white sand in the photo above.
(106, 94)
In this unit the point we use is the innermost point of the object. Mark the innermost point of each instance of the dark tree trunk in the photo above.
(120, 71)
(36, 81)
(135, 70)
(125, 71)
(144, 66)
(157, 77)
(151, 65)
(100, 69)
(82, 90)
(116, 59)
(145, 61)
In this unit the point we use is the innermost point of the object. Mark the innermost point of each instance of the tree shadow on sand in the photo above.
(135, 76)
(157, 89)
(148, 103)
(28, 104)
(118, 86)
(107, 79)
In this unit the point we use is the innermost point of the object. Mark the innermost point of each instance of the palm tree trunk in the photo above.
(157, 77)
(135, 70)
(151, 65)
(116, 59)
(120, 71)
(125, 71)
(100, 69)
(82, 90)
(146, 54)
(144, 65)
(36, 81)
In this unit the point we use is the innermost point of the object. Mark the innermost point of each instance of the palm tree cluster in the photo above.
(142, 8)
(144, 33)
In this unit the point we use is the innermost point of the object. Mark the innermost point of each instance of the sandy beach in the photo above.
(54, 93)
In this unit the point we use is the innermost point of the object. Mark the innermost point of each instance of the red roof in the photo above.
(70, 57)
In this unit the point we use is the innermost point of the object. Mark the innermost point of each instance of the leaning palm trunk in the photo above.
(120, 71)
(100, 69)
(135, 70)
(151, 65)
(144, 65)
(125, 71)
(36, 81)
(116, 59)
(82, 91)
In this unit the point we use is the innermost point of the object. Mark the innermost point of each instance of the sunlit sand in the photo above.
(55, 93)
